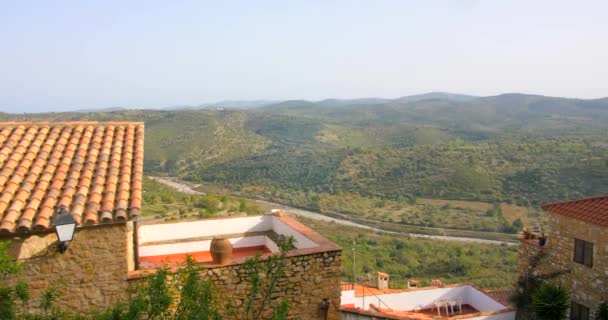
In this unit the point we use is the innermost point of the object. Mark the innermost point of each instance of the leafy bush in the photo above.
(550, 302)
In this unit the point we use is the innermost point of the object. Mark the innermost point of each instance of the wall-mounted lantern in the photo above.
(65, 225)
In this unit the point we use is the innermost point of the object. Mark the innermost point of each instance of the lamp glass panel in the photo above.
(65, 232)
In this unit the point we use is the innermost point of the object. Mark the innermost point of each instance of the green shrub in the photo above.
(550, 302)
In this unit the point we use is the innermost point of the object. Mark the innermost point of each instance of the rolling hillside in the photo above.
(513, 148)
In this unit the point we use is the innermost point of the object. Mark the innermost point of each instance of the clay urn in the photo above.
(221, 250)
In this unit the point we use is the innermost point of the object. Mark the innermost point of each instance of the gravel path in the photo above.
(177, 184)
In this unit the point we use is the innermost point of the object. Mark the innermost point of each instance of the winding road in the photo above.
(188, 188)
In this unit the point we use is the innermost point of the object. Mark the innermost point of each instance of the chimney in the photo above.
(412, 283)
(383, 280)
(277, 212)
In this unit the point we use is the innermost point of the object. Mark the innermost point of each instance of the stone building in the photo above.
(93, 172)
(577, 248)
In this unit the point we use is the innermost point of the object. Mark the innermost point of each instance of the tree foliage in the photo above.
(535, 294)
(550, 302)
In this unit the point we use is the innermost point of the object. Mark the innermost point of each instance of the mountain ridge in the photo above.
(332, 102)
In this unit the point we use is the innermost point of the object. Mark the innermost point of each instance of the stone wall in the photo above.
(91, 274)
(309, 279)
(587, 285)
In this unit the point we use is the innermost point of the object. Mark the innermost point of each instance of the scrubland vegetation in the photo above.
(480, 164)
(485, 265)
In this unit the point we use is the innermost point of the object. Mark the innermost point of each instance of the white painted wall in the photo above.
(198, 246)
(481, 301)
(203, 228)
(348, 297)
(301, 241)
(173, 248)
(215, 227)
(271, 245)
(423, 299)
(420, 299)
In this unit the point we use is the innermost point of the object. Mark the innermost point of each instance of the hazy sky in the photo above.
(62, 55)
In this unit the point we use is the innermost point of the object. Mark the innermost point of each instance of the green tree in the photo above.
(527, 297)
(196, 299)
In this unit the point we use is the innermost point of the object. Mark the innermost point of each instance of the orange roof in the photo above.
(383, 274)
(346, 286)
(93, 169)
(399, 314)
(593, 210)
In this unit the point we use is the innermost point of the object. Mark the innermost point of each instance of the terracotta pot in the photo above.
(221, 250)
(527, 235)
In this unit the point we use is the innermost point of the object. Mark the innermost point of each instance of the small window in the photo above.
(583, 252)
(578, 311)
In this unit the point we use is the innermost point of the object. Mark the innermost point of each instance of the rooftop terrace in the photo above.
(361, 302)
(170, 243)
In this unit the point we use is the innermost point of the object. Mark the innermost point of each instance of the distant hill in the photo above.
(525, 149)
(237, 104)
(436, 96)
(350, 102)
(110, 109)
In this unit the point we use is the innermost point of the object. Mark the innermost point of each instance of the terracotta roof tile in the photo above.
(593, 210)
(93, 169)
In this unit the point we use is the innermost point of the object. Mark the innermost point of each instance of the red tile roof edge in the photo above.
(324, 243)
(596, 197)
(373, 313)
(17, 234)
(483, 313)
(23, 123)
(577, 209)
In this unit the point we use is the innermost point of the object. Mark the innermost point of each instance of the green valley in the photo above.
(386, 160)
